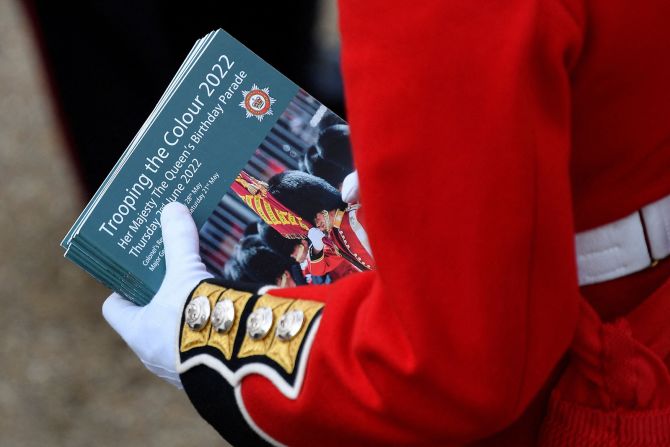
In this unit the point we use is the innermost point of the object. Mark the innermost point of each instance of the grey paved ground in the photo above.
(65, 378)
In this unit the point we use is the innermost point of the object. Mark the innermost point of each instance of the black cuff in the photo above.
(214, 362)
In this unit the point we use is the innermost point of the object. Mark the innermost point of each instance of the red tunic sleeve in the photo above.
(460, 121)
(323, 263)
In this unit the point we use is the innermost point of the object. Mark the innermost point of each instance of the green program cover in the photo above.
(226, 111)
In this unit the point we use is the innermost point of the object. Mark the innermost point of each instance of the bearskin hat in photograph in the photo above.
(273, 239)
(330, 158)
(262, 265)
(251, 229)
(247, 242)
(329, 119)
(232, 271)
(304, 194)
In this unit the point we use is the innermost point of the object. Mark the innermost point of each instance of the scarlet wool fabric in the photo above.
(485, 133)
(616, 389)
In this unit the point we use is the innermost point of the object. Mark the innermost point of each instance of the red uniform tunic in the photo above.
(516, 123)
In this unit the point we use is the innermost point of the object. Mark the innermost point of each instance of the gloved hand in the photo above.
(316, 238)
(350, 188)
(152, 331)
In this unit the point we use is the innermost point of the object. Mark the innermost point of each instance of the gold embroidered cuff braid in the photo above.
(264, 328)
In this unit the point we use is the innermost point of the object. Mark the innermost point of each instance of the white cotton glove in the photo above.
(316, 238)
(152, 331)
(350, 188)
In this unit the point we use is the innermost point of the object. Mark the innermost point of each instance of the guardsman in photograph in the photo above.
(339, 243)
(330, 158)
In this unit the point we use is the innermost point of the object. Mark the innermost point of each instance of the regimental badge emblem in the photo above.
(257, 102)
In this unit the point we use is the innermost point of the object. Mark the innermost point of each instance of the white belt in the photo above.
(626, 246)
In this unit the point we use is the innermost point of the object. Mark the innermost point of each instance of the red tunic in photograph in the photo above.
(348, 249)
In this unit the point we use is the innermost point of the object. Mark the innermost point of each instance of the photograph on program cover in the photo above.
(283, 220)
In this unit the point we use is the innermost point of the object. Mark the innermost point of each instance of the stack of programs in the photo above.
(258, 162)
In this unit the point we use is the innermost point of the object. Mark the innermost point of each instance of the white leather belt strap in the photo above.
(626, 246)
